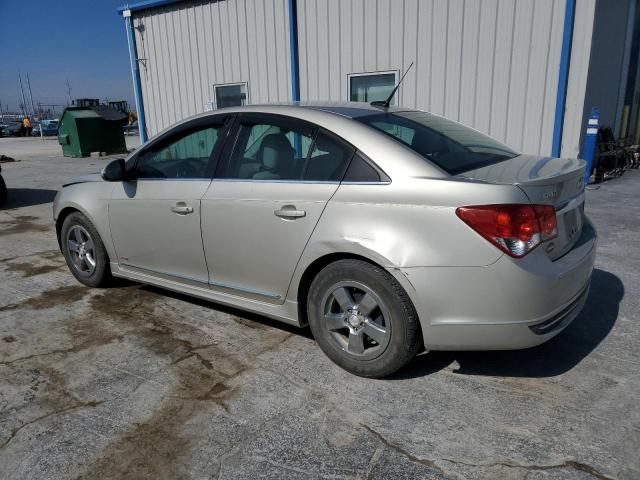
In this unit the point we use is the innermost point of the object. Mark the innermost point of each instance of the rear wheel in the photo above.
(84, 251)
(362, 318)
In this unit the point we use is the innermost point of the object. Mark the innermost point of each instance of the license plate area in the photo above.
(572, 224)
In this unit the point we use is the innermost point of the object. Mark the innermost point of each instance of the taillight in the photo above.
(514, 229)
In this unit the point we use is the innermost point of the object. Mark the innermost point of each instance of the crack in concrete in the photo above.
(15, 431)
(402, 451)
(573, 464)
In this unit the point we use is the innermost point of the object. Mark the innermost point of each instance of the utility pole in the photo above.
(33, 108)
(69, 91)
(24, 102)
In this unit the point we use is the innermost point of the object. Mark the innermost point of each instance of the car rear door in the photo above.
(155, 216)
(264, 202)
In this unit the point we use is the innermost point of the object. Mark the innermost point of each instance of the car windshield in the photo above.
(450, 145)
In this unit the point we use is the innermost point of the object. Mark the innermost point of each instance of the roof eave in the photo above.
(145, 5)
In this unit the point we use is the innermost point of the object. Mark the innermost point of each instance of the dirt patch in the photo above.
(22, 224)
(51, 298)
(30, 270)
(204, 379)
(205, 373)
(9, 339)
(37, 264)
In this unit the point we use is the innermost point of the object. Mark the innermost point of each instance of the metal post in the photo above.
(293, 49)
(563, 77)
(33, 108)
(135, 74)
(590, 139)
(69, 92)
(24, 102)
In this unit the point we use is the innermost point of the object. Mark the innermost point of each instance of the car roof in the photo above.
(349, 109)
(345, 109)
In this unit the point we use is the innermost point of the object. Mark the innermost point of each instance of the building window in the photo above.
(370, 87)
(230, 95)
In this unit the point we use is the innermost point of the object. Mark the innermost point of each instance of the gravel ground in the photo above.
(134, 382)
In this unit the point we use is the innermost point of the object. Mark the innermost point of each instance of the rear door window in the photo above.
(286, 151)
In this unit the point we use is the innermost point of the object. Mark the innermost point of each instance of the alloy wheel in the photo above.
(81, 250)
(357, 319)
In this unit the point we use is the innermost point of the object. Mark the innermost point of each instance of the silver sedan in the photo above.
(386, 230)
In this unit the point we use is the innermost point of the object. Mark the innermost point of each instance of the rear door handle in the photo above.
(182, 208)
(289, 211)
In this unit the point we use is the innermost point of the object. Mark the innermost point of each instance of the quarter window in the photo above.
(185, 157)
(371, 87)
(361, 171)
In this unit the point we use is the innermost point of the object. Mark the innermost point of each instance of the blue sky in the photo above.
(80, 40)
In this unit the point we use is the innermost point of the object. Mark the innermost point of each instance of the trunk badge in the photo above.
(551, 194)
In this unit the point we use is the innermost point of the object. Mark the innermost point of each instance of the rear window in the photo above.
(450, 145)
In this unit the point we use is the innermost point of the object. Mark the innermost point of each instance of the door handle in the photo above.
(182, 208)
(289, 211)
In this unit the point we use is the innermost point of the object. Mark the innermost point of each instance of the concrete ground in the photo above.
(138, 383)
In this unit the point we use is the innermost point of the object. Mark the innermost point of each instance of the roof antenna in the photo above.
(387, 102)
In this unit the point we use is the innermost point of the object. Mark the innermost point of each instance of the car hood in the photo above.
(92, 177)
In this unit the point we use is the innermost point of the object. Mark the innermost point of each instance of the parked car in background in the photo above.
(12, 128)
(49, 128)
(385, 229)
(131, 129)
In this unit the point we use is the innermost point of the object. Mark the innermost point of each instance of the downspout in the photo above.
(135, 74)
(293, 50)
(563, 79)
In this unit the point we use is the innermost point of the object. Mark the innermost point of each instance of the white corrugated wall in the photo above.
(490, 64)
(187, 47)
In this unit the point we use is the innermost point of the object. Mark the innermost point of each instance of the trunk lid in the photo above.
(545, 181)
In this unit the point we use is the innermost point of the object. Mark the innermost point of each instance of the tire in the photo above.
(84, 251)
(3, 191)
(375, 339)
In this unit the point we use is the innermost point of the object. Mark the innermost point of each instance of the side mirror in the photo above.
(115, 171)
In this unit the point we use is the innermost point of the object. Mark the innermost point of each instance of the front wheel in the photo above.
(363, 319)
(84, 251)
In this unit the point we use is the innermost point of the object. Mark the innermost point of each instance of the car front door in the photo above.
(155, 216)
(266, 198)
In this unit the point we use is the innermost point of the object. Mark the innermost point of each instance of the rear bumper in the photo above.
(511, 304)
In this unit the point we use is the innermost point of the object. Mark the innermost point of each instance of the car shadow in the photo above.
(26, 197)
(555, 357)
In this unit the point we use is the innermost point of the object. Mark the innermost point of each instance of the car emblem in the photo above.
(579, 184)
(573, 231)
(551, 194)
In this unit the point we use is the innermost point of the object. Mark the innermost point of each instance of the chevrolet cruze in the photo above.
(386, 230)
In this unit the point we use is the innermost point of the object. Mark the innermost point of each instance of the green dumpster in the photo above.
(83, 130)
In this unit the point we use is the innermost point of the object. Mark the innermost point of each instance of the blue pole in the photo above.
(590, 140)
(563, 77)
(135, 74)
(293, 50)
